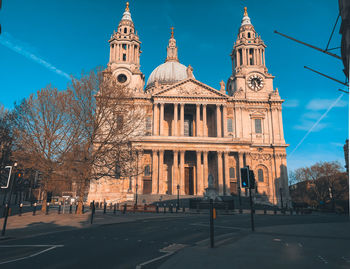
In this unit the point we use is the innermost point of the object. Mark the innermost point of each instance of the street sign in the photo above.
(5, 176)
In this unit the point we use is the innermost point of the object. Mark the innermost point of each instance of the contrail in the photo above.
(316, 123)
(4, 40)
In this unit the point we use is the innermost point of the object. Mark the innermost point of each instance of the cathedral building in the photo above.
(194, 130)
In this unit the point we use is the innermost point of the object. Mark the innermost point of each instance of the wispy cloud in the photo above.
(291, 103)
(306, 125)
(322, 104)
(336, 144)
(334, 104)
(8, 41)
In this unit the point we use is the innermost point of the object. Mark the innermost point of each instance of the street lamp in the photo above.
(178, 198)
(12, 183)
(281, 197)
(136, 186)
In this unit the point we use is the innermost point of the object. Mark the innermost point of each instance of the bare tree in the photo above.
(107, 121)
(43, 134)
(320, 183)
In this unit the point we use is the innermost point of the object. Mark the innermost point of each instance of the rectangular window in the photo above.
(124, 57)
(229, 125)
(232, 172)
(148, 123)
(258, 129)
(124, 46)
(240, 57)
(261, 175)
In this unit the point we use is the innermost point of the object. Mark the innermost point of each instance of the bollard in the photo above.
(124, 209)
(265, 212)
(20, 209)
(164, 208)
(144, 208)
(177, 208)
(157, 209)
(70, 209)
(47, 208)
(104, 208)
(171, 208)
(115, 209)
(34, 209)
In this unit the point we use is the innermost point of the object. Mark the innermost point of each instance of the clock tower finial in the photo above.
(245, 12)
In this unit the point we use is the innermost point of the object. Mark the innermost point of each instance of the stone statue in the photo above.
(210, 181)
(189, 71)
(222, 86)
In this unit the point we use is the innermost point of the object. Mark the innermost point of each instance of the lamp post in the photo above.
(12, 183)
(178, 196)
(136, 187)
(281, 197)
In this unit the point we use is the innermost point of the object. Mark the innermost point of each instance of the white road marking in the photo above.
(322, 259)
(345, 259)
(206, 225)
(169, 250)
(126, 239)
(277, 239)
(300, 245)
(50, 247)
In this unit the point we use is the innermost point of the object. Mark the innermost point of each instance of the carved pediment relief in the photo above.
(260, 156)
(190, 89)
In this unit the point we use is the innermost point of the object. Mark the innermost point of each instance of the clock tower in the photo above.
(249, 72)
(124, 59)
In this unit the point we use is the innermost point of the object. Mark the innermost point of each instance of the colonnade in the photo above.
(258, 56)
(201, 121)
(200, 173)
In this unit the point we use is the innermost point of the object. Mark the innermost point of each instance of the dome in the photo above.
(167, 73)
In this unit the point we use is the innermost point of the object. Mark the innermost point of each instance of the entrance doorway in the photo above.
(189, 180)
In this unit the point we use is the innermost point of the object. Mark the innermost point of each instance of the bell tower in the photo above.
(124, 56)
(249, 72)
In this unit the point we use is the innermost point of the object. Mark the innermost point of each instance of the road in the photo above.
(126, 245)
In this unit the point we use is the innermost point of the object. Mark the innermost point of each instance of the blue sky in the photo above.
(44, 42)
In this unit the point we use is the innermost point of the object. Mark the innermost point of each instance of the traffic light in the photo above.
(245, 177)
(251, 179)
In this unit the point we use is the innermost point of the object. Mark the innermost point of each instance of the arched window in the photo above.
(147, 171)
(248, 35)
(125, 30)
(260, 175)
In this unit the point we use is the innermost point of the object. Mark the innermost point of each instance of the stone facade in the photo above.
(193, 130)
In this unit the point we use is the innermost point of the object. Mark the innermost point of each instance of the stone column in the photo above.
(198, 118)
(227, 173)
(154, 171)
(155, 125)
(205, 132)
(224, 116)
(182, 119)
(205, 169)
(218, 121)
(161, 120)
(175, 178)
(199, 181)
(161, 180)
(182, 172)
(220, 173)
(175, 132)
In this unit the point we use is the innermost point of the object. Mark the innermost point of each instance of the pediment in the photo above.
(190, 88)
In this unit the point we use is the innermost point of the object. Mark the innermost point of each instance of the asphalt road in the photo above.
(126, 245)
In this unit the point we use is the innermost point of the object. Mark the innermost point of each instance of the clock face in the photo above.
(255, 82)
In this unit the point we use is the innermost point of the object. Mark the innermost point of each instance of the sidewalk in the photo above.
(287, 246)
(28, 225)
